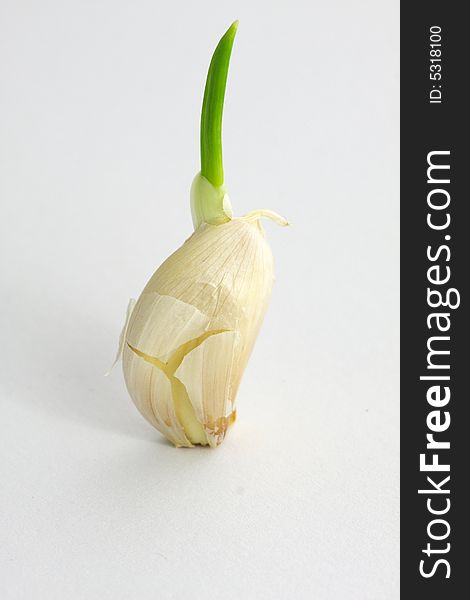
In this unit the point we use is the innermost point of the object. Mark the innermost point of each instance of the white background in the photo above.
(99, 115)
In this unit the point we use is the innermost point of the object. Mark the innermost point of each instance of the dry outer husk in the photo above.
(193, 328)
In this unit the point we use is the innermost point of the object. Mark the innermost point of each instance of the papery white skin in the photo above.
(213, 290)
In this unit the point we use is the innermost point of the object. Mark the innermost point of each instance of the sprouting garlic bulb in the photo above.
(193, 328)
(190, 335)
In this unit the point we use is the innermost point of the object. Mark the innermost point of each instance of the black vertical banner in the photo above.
(435, 271)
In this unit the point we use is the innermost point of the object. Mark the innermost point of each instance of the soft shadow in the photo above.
(68, 351)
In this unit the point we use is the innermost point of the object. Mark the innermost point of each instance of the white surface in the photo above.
(99, 143)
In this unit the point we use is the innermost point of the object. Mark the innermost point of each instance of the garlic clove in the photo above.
(196, 322)
(193, 328)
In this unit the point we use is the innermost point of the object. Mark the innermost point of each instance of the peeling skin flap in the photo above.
(160, 324)
(122, 336)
